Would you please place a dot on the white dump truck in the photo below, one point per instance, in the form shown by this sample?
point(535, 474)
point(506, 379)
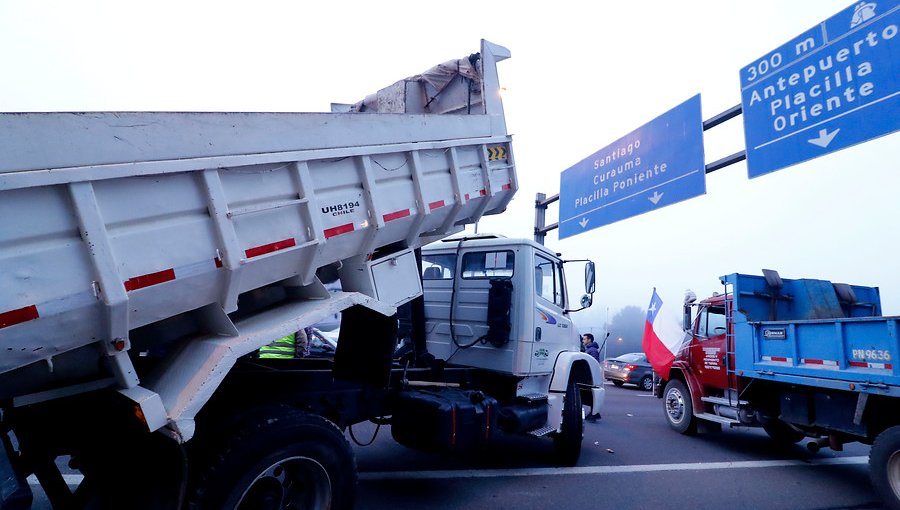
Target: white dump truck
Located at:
point(146, 257)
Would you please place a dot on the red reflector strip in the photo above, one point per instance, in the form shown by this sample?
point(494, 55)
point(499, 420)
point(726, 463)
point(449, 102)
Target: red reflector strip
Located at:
point(218, 262)
point(336, 231)
point(139, 282)
point(18, 316)
point(467, 196)
point(482, 192)
point(396, 215)
point(819, 362)
point(776, 358)
point(436, 205)
point(507, 186)
point(269, 248)
point(863, 364)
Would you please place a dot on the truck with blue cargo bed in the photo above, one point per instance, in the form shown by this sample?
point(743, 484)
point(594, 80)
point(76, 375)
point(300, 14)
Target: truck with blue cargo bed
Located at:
point(800, 358)
point(145, 257)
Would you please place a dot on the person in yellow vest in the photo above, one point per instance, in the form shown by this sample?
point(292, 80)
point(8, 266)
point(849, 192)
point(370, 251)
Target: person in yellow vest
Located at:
point(295, 345)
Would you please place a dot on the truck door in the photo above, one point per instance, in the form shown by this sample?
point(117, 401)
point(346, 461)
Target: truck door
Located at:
point(708, 347)
point(552, 328)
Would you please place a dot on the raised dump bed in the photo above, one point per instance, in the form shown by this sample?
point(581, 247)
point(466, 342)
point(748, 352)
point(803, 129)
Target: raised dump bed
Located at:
point(113, 221)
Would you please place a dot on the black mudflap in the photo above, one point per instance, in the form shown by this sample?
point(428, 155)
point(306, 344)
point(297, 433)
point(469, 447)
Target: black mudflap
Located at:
point(443, 419)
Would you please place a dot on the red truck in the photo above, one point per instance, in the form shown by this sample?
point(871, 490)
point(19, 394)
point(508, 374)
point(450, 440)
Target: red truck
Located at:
point(800, 358)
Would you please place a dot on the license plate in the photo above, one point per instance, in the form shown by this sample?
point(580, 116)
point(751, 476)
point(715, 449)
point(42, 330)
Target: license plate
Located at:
point(614, 367)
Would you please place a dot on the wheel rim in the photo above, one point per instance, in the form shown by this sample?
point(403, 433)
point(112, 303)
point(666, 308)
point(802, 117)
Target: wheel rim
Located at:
point(291, 483)
point(674, 405)
point(893, 473)
point(647, 383)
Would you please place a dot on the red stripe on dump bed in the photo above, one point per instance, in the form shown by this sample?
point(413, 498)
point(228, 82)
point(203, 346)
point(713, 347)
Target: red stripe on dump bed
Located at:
point(269, 248)
point(436, 205)
point(863, 364)
point(396, 215)
point(336, 231)
point(819, 362)
point(18, 316)
point(139, 282)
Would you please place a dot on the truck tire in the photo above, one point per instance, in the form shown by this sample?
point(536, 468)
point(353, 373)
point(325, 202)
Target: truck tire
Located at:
point(618, 383)
point(646, 383)
point(678, 408)
point(884, 466)
point(782, 433)
point(567, 442)
point(289, 459)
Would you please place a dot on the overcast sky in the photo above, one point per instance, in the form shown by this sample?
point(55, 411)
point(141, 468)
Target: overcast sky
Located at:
point(582, 75)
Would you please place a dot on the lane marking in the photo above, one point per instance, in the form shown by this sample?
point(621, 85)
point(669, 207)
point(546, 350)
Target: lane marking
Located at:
point(74, 479)
point(70, 479)
point(603, 470)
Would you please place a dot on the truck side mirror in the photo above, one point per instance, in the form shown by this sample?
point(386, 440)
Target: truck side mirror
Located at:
point(588, 279)
point(686, 321)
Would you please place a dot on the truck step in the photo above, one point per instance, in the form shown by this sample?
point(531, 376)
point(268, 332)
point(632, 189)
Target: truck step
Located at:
point(542, 432)
point(724, 401)
point(718, 419)
point(534, 398)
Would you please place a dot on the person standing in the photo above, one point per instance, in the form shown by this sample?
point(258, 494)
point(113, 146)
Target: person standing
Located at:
point(589, 346)
point(295, 345)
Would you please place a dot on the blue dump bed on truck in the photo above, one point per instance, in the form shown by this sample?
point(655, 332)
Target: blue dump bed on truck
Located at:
point(814, 333)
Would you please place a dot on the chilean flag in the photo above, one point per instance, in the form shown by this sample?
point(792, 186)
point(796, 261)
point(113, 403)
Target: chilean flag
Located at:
point(663, 336)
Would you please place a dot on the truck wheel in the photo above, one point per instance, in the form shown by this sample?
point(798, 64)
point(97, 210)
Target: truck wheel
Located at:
point(286, 460)
point(679, 408)
point(646, 383)
point(567, 441)
point(884, 466)
point(618, 383)
point(782, 433)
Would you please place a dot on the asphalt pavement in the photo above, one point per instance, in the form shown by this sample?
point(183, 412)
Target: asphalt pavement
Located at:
point(630, 459)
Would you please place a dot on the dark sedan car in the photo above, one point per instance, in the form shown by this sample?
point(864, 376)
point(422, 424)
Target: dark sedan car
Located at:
point(631, 368)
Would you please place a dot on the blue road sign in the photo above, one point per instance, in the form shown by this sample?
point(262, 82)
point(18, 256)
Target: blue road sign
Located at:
point(831, 87)
point(658, 164)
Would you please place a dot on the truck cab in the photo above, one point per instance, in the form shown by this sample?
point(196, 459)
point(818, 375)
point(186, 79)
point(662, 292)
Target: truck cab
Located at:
point(458, 276)
point(497, 313)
